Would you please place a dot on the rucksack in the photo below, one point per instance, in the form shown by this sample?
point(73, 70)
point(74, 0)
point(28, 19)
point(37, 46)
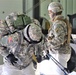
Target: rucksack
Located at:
point(69, 28)
point(22, 21)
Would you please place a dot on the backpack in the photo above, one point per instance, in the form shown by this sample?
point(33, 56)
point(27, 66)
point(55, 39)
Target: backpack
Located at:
point(69, 28)
point(22, 21)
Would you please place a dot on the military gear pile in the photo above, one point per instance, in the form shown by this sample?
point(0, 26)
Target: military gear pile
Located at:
point(19, 22)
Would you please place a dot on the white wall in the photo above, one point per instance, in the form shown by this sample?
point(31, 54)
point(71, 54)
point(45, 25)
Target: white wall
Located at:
point(29, 8)
point(43, 8)
point(8, 6)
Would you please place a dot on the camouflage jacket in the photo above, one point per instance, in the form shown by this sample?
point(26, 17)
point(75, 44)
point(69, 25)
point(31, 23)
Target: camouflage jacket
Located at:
point(57, 37)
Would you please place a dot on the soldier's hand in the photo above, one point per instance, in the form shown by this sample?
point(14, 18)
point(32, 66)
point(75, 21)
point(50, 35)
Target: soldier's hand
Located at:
point(12, 59)
point(39, 58)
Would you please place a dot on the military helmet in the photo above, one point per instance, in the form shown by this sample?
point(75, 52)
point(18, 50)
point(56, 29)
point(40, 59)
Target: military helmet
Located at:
point(55, 7)
point(32, 33)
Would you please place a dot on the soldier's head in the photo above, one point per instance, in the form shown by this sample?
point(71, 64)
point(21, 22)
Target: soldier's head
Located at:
point(55, 8)
point(33, 33)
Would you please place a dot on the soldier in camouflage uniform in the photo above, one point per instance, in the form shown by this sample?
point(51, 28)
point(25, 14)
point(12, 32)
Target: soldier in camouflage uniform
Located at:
point(57, 39)
point(18, 44)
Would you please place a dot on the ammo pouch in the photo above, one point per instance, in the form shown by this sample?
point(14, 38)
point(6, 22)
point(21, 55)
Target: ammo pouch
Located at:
point(21, 21)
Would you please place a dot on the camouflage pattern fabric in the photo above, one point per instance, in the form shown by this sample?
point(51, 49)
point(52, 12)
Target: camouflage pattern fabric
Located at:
point(57, 37)
point(9, 44)
point(24, 55)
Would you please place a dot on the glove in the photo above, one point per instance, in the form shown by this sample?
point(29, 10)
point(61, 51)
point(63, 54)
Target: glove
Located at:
point(11, 58)
point(45, 54)
point(39, 58)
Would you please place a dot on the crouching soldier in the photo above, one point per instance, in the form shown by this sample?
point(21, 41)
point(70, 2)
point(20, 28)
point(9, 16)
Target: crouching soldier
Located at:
point(19, 40)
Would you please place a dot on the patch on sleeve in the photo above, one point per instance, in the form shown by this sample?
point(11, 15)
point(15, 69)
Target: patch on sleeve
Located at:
point(10, 39)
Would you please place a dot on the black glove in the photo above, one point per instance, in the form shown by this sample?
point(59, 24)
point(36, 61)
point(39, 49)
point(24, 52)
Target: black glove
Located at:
point(39, 58)
point(11, 58)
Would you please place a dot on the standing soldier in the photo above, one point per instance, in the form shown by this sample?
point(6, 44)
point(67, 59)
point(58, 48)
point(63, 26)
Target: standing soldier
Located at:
point(59, 35)
point(19, 40)
point(58, 39)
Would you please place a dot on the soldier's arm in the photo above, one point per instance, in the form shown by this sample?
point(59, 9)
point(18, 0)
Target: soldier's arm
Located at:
point(4, 51)
point(2, 33)
point(3, 46)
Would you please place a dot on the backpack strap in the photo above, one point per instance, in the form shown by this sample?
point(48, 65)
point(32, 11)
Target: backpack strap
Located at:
point(69, 27)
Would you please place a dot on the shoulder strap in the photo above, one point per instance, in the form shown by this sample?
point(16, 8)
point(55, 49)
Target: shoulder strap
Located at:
point(69, 27)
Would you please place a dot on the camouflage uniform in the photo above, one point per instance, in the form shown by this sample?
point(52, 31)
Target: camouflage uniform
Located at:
point(57, 37)
point(22, 48)
point(57, 40)
point(58, 48)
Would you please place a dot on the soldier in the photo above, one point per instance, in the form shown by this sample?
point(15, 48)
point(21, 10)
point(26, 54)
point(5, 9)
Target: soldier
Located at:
point(58, 38)
point(59, 33)
point(18, 42)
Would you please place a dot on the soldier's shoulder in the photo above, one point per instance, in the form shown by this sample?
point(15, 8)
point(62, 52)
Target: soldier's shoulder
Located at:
point(58, 23)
